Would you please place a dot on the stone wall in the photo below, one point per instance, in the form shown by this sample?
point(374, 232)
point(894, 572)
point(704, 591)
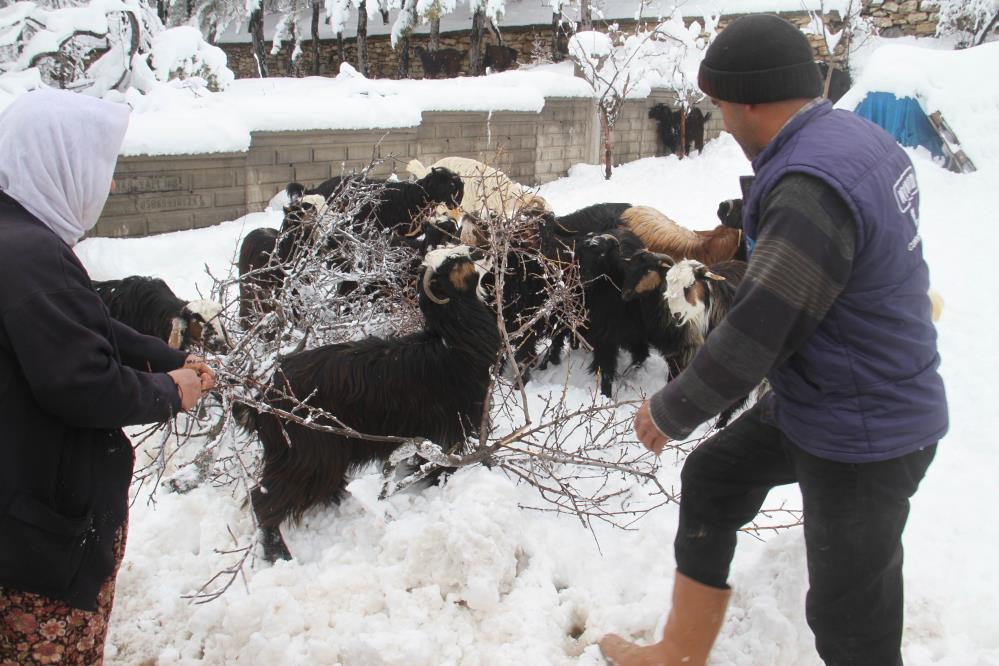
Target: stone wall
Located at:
point(383, 59)
point(894, 19)
point(155, 194)
point(891, 18)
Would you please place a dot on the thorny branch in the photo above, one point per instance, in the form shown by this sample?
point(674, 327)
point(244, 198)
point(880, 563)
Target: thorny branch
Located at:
point(580, 455)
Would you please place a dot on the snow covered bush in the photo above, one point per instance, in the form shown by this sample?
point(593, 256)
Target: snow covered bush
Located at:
point(102, 47)
point(182, 54)
point(973, 21)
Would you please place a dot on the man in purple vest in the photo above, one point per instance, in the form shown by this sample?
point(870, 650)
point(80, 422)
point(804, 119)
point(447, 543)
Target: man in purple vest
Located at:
point(834, 313)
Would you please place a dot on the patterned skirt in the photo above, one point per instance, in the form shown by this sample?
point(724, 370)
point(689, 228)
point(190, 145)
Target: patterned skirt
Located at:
point(41, 630)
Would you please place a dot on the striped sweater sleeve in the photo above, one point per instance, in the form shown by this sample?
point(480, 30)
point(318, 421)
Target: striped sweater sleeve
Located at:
point(801, 261)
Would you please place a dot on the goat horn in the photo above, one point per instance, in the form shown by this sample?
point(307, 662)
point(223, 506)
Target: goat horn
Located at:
point(662, 257)
point(713, 276)
point(429, 292)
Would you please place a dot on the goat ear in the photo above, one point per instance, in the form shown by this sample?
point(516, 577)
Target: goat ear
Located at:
point(178, 331)
point(712, 276)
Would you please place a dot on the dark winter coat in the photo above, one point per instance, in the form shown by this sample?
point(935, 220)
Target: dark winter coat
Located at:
point(865, 386)
point(70, 378)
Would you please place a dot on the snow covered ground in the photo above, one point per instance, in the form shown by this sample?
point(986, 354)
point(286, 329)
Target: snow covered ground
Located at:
point(461, 575)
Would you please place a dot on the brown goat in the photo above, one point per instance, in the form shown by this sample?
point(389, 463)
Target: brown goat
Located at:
point(661, 234)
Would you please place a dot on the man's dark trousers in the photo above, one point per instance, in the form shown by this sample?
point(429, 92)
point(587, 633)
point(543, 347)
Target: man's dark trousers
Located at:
point(854, 515)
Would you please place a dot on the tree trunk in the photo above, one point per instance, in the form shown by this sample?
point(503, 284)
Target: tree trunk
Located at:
point(362, 38)
point(983, 35)
point(403, 46)
point(294, 64)
point(435, 35)
point(259, 48)
point(341, 51)
point(605, 131)
point(213, 28)
point(683, 132)
point(556, 24)
point(475, 42)
point(585, 15)
point(315, 38)
point(161, 10)
point(403, 68)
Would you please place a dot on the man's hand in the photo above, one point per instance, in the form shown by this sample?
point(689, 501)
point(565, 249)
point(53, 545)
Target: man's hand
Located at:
point(205, 374)
point(188, 386)
point(647, 432)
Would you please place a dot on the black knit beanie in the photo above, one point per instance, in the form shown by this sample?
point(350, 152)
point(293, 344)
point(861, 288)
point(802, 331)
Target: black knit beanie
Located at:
point(757, 59)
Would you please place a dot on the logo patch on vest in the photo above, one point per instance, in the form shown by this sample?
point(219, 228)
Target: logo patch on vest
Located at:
point(906, 189)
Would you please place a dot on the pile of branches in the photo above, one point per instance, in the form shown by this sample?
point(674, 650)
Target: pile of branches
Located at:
point(580, 455)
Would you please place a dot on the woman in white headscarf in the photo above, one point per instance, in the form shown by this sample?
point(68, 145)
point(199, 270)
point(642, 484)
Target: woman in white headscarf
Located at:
point(70, 378)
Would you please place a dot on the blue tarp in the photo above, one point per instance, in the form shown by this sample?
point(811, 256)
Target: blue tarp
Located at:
point(903, 118)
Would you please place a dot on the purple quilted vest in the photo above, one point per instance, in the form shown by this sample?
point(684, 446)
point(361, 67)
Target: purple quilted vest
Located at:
point(865, 385)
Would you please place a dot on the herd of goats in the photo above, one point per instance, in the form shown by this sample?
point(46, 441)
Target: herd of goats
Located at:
point(644, 283)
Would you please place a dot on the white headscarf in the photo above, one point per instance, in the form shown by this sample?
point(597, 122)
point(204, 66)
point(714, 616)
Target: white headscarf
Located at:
point(58, 151)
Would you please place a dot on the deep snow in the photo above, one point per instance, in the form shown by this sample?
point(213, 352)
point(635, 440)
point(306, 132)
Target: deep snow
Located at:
point(462, 575)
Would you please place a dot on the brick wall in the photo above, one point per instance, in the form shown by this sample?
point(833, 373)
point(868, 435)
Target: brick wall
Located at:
point(155, 194)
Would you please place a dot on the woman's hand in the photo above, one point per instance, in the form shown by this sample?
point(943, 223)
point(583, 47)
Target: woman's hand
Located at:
point(205, 374)
point(188, 386)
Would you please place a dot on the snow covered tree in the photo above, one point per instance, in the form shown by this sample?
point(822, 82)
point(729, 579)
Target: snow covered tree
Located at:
point(287, 30)
point(105, 48)
point(618, 62)
point(854, 30)
point(401, 30)
point(484, 12)
point(680, 49)
point(561, 26)
point(974, 22)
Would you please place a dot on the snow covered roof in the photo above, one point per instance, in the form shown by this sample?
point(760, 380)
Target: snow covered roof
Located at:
point(168, 121)
point(962, 85)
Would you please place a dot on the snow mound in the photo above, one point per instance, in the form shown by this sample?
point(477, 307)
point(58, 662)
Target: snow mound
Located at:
point(959, 84)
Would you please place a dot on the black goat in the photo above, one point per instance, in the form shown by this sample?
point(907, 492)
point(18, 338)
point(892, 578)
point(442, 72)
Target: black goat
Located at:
point(499, 58)
point(429, 384)
point(442, 61)
point(559, 236)
point(669, 128)
point(730, 213)
point(645, 283)
point(265, 253)
point(561, 233)
point(403, 206)
point(838, 84)
point(149, 306)
point(611, 323)
point(694, 130)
